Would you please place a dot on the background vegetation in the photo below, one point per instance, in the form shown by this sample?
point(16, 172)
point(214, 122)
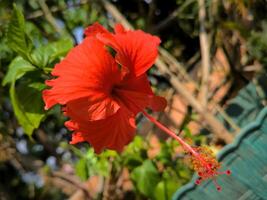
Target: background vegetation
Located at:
point(36, 161)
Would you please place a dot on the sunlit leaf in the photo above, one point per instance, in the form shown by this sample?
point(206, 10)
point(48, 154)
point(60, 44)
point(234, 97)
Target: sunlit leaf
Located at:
point(28, 105)
point(81, 169)
point(165, 153)
point(146, 178)
point(17, 68)
point(48, 53)
point(16, 36)
point(165, 189)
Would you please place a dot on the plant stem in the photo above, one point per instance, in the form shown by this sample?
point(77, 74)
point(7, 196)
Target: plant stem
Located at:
point(172, 134)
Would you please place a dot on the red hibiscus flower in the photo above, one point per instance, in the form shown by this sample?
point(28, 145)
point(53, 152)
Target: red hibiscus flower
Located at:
point(102, 94)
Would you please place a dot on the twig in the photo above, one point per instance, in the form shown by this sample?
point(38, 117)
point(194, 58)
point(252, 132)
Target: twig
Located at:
point(164, 23)
point(40, 13)
point(205, 54)
point(72, 181)
point(150, 14)
point(42, 138)
point(48, 15)
point(175, 66)
point(116, 14)
point(213, 123)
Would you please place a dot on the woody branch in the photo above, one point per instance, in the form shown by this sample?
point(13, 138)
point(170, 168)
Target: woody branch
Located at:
point(205, 54)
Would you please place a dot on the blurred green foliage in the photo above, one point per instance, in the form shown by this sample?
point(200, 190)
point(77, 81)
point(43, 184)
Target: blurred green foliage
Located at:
point(155, 177)
point(257, 44)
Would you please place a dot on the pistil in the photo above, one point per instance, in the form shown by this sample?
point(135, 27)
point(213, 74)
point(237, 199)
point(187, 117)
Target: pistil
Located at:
point(202, 159)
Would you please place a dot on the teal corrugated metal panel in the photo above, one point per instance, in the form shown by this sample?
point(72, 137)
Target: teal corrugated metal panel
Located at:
point(247, 104)
point(247, 159)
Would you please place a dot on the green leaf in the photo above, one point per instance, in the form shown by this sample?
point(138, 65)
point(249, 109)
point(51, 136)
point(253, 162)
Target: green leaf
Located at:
point(109, 153)
point(136, 145)
point(81, 169)
point(165, 154)
point(17, 68)
point(35, 33)
point(51, 52)
point(132, 160)
point(165, 189)
point(28, 105)
point(60, 48)
point(102, 167)
point(187, 132)
point(146, 178)
point(16, 36)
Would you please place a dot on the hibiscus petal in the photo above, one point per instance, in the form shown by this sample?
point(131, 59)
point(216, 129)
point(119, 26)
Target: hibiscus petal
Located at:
point(113, 133)
point(119, 29)
point(138, 84)
point(158, 103)
point(137, 101)
point(136, 50)
point(94, 29)
point(95, 107)
point(87, 71)
point(136, 93)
